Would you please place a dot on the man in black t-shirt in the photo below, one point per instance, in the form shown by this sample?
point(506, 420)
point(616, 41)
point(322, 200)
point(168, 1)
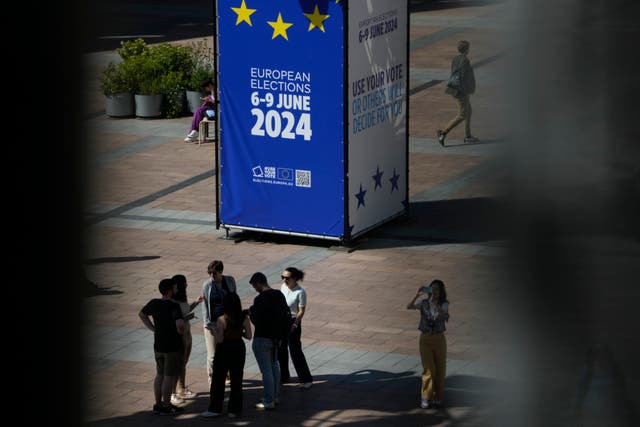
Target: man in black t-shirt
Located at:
point(167, 328)
point(270, 315)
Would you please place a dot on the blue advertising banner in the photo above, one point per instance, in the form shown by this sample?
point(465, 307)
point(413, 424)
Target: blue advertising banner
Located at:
point(281, 78)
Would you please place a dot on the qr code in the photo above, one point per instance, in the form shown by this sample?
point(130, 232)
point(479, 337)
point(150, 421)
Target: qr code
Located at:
point(303, 178)
point(269, 172)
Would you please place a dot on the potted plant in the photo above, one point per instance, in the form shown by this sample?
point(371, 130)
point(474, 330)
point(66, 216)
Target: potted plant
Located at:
point(149, 96)
point(173, 91)
point(117, 87)
point(194, 86)
point(175, 62)
point(202, 69)
point(119, 80)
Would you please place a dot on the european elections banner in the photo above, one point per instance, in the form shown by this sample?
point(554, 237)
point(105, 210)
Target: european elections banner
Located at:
point(281, 78)
point(377, 111)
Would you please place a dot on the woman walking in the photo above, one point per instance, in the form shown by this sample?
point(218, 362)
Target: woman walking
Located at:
point(434, 313)
point(296, 298)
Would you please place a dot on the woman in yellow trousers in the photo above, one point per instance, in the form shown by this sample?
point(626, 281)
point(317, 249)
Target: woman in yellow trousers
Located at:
point(434, 313)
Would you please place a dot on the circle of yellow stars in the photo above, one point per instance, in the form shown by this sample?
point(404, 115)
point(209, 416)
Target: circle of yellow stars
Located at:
point(280, 27)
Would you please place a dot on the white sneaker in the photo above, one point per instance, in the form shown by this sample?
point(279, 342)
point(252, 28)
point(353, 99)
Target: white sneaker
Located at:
point(262, 405)
point(209, 414)
point(424, 403)
point(187, 394)
point(192, 136)
point(176, 400)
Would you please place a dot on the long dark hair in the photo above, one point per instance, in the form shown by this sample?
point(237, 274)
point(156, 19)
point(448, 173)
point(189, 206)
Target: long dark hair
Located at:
point(443, 292)
point(181, 292)
point(233, 309)
point(298, 275)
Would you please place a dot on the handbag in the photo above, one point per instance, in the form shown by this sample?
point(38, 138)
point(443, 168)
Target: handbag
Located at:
point(454, 85)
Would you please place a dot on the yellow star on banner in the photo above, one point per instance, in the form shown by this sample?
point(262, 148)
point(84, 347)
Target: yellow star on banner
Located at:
point(315, 19)
point(243, 14)
point(279, 27)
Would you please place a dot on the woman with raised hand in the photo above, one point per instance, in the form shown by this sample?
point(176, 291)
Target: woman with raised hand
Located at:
point(434, 313)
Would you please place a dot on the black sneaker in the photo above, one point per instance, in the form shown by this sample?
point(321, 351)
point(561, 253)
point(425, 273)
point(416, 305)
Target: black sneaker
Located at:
point(167, 409)
point(441, 136)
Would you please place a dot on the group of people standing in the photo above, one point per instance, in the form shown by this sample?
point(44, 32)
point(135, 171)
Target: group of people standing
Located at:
point(273, 323)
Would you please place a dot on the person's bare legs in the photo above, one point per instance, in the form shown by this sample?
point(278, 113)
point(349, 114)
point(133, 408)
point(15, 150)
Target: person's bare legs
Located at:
point(167, 387)
point(157, 387)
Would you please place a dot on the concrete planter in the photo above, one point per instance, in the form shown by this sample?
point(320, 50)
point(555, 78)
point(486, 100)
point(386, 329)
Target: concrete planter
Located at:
point(194, 100)
point(148, 105)
point(119, 105)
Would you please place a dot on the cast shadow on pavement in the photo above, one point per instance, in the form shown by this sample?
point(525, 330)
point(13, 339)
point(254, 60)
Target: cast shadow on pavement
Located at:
point(92, 289)
point(460, 143)
point(478, 219)
point(362, 398)
point(427, 5)
point(103, 260)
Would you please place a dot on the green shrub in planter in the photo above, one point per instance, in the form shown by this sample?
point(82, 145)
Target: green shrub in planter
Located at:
point(131, 48)
point(115, 79)
point(202, 65)
point(199, 75)
point(151, 85)
point(146, 73)
point(173, 101)
point(172, 58)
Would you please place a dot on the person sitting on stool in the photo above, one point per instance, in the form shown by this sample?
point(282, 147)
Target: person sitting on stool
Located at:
point(208, 103)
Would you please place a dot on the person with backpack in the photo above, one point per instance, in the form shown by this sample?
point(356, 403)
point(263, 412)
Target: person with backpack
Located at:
point(461, 85)
point(296, 297)
point(214, 290)
point(270, 316)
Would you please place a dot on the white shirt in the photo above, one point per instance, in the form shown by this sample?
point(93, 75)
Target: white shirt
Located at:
point(296, 297)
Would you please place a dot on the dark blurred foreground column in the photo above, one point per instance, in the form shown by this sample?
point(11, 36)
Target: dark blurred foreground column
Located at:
point(51, 365)
point(574, 298)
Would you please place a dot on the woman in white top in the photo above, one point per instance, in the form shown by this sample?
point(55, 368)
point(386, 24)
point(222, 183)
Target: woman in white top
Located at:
point(296, 298)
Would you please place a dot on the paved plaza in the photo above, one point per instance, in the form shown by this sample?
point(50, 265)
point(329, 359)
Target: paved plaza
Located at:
point(150, 210)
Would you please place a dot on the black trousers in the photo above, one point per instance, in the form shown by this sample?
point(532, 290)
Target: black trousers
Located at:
point(229, 357)
point(294, 346)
